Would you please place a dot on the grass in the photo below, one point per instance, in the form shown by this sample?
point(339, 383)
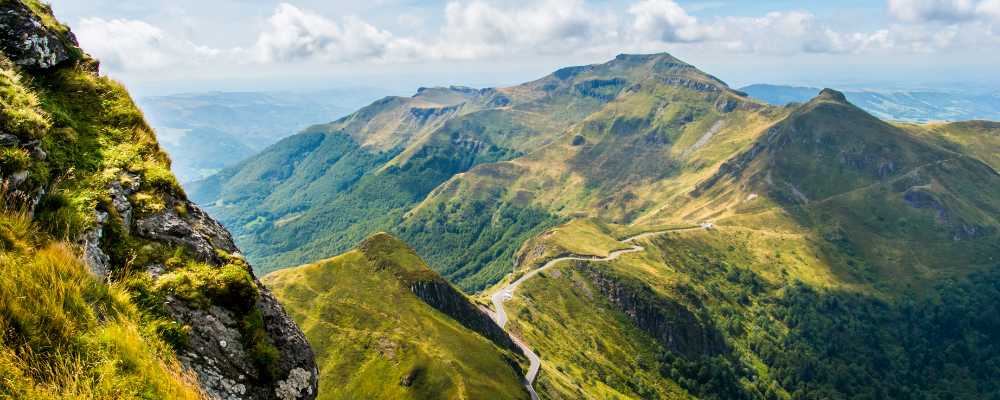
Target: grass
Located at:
point(373, 337)
point(66, 335)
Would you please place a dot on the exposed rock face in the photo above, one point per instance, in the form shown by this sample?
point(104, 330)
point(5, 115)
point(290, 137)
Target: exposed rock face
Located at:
point(919, 199)
point(197, 232)
point(215, 352)
point(26, 41)
point(666, 320)
point(223, 367)
point(444, 297)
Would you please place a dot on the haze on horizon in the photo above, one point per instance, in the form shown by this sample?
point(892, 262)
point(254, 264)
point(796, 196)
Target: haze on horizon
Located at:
point(161, 47)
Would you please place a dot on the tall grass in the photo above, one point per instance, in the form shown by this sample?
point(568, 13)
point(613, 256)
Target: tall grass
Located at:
point(66, 335)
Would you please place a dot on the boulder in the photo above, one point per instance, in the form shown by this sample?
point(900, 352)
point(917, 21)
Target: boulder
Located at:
point(27, 41)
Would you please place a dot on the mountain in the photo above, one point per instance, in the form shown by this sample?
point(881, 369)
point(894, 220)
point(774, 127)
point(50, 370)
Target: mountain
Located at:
point(846, 253)
point(326, 188)
point(914, 106)
point(848, 256)
point(115, 285)
point(384, 325)
point(205, 132)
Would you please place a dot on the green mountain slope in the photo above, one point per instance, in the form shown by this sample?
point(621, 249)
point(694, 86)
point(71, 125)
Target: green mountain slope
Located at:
point(781, 324)
point(851, 258)
point(384, 325)
point(325, 189)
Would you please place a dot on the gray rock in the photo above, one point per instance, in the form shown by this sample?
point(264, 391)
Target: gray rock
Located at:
point(8, 140)
point(95, 257)
point(16, 179)
point(296, 353)
point(169, 228)
point(119, 197)
point(215, 352)
point(26, 41)
point(37, 153)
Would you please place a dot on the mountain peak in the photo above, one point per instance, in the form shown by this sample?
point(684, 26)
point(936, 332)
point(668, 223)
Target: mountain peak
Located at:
point(830, 94)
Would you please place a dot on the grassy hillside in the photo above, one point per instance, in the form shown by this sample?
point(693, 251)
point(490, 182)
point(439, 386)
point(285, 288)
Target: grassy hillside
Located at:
point(624, 163)
point(375, 338)
point(67, 133)
point(789, 323)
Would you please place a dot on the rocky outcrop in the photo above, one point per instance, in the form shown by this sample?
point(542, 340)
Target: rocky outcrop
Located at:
point(215, 353)
point(27, 41)
point(666, 320)
point(196, 232)
point(920, 199)
point(690, 84)
point(445, 298)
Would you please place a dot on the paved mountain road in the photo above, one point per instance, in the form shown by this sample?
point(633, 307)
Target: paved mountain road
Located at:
point(504, 294)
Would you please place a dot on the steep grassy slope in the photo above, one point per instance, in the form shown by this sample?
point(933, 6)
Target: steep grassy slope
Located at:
point(110, 274)
point(375, 337)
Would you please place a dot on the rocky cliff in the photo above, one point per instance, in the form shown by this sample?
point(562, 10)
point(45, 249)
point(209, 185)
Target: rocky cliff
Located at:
point(434, 290)
point(668, 321)
point(76, 153)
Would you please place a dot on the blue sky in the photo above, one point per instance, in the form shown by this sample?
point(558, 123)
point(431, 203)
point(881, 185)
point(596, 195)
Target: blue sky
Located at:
point(186, 45)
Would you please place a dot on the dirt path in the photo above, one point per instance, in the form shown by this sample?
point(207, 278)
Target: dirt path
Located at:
point(505, 294)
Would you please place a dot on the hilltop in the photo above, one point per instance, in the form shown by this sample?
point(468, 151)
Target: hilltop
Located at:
point(383, 324)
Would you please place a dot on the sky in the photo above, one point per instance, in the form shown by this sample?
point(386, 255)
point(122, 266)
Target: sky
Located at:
point(173, 46)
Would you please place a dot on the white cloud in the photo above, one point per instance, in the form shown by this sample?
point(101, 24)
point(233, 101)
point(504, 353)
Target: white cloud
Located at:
point(931, 10)
point(135, 45)
point(480, 29)
point(296, 35)
point(491, 29)
point(410, 20)
point(666, 21)
point(784, 33)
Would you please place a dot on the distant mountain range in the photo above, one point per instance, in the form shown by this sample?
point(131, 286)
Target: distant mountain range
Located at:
point(915, 106)
point(205, 132)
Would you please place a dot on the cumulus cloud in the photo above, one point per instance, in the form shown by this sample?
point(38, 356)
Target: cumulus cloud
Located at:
point(921, 26)
point(793, 32)
point(666, 21)
point(135, 45)
point(296, 35)
point(478, 29)
point(931, 10)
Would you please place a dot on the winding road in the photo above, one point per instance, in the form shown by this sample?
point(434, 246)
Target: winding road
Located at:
point(505, 294)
